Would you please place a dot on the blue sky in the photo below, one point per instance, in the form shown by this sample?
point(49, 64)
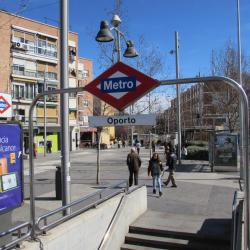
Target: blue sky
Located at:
point(203, 25)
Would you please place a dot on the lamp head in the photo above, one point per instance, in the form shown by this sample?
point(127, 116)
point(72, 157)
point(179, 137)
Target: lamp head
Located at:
point(130, 51)
point(104, 34)
point(116, 21)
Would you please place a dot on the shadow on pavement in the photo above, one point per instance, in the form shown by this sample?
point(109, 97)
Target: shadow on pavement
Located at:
point(214, 232)
point(193, 168)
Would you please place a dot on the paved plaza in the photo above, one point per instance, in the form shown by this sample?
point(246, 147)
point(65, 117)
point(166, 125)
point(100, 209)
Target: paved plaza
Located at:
point(199, 192)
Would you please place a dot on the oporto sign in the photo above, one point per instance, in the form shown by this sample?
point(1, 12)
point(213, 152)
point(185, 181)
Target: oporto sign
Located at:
point(121, 84)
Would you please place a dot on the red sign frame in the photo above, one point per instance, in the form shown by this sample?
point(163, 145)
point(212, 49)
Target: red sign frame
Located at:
point(146, 84)
point(7, 105)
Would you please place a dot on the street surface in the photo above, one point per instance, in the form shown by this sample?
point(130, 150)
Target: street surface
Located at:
point(199, 191)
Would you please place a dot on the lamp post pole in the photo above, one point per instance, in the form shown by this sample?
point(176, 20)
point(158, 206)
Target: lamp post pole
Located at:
point(240, 82)
point(45, 117)
point(64, 107)
point(178, 96)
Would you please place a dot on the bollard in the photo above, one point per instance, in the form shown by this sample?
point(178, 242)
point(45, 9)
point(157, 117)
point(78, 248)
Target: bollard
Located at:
point(58, 183)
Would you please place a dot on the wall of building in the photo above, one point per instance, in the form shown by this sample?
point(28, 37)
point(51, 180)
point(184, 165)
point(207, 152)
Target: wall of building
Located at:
point(27, 71)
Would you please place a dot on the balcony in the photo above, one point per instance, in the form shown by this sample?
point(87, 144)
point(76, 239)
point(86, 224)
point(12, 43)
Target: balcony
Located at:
point(49, 76)
point(26, 72)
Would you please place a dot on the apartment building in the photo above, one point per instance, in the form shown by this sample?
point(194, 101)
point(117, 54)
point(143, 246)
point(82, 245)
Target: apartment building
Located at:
point(29, 65)
point(85, 104)
point(201, 110)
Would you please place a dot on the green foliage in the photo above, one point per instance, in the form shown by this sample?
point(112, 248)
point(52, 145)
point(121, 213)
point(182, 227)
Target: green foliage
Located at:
point(197, 153)
point(198, 143)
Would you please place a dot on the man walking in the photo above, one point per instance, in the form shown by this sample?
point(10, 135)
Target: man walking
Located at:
point(171, 162)
point(134, 163)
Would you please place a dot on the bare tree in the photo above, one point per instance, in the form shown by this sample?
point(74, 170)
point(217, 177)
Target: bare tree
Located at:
point(225, 98)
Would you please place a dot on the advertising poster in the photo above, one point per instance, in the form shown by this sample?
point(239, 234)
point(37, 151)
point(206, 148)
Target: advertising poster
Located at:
point(11, 181)
point(225, 150)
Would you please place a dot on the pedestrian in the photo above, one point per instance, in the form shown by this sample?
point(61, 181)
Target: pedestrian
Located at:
point(168, 149)
point(48, 147)
point(134, 163)
point(138, 146)
point(34, 150)
point(153, 146)
point(184, 152)
point(155, 167)
point(171, 163)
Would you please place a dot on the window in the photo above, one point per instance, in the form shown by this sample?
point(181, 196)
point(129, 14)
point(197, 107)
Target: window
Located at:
point(23, 91)
point(18, 69)
point(72, 95)
point(51, 75)
point(86, 73)
point(85, 103)
point(29, 91)
point(18, 91)
point(80, 74)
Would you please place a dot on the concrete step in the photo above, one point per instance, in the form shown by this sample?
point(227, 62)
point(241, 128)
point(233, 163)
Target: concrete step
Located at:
point(179, 235)
point(188, 226)
point(136, 247)
point(170, 243)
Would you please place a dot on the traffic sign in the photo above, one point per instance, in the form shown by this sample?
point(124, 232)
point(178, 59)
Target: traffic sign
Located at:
point(5, 105)
point(121, 85)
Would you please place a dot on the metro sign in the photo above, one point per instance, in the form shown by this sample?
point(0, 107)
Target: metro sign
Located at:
point(121, 85)
point(4, 104)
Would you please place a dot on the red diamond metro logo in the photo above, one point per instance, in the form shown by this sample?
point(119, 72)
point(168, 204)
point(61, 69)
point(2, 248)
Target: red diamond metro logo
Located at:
point(4, 105)
point(121, 85)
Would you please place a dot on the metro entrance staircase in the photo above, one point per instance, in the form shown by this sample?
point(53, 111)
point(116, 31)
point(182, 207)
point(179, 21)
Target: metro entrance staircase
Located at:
point(158, 230)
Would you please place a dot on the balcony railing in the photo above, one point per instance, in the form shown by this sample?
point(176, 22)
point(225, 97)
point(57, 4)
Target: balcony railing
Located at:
point(29, 73)
point(28, 48)
point(35, 74)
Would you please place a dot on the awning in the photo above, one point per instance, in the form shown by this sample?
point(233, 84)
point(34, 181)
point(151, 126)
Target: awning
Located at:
point(24, 80)
point(87, 129)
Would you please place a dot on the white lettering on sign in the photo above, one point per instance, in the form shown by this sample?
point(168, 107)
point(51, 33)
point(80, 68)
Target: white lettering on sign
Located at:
point(122, 84)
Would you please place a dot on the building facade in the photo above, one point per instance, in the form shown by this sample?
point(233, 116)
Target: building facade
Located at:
point(204, 107)
point(85, 104)
point(30, 64)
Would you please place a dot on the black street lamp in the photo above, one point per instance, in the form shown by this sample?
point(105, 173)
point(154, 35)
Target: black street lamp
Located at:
point(105, 35)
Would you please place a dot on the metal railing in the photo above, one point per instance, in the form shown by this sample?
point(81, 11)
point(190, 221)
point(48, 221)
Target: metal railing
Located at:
point(49, 225)
point(20, 235)
point(244, 137)
point(107, 233)
point(237, 214)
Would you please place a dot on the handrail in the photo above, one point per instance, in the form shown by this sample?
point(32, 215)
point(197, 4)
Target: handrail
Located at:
point(105, 237)
point(44, 217)
point(19, 238)
point(235, 218)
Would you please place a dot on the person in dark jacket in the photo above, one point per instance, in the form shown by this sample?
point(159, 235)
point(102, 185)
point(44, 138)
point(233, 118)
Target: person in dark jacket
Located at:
point(155, 167)
point(134, 163)
point(171, 162)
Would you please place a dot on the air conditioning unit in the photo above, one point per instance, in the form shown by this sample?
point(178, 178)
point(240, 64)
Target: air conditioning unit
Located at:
point(21, 46)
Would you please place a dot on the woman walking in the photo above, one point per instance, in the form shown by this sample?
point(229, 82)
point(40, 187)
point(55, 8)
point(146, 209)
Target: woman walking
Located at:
point(155, 167)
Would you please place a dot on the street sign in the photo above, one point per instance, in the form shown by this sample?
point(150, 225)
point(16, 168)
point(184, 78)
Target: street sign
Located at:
point(5, 105)
point(125, 120)
point(121, 85)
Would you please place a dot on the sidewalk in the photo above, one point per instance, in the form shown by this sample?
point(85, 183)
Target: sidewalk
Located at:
point(199, 191)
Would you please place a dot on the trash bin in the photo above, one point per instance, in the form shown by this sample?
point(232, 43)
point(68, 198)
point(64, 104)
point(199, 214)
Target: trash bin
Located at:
point(58, 183)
